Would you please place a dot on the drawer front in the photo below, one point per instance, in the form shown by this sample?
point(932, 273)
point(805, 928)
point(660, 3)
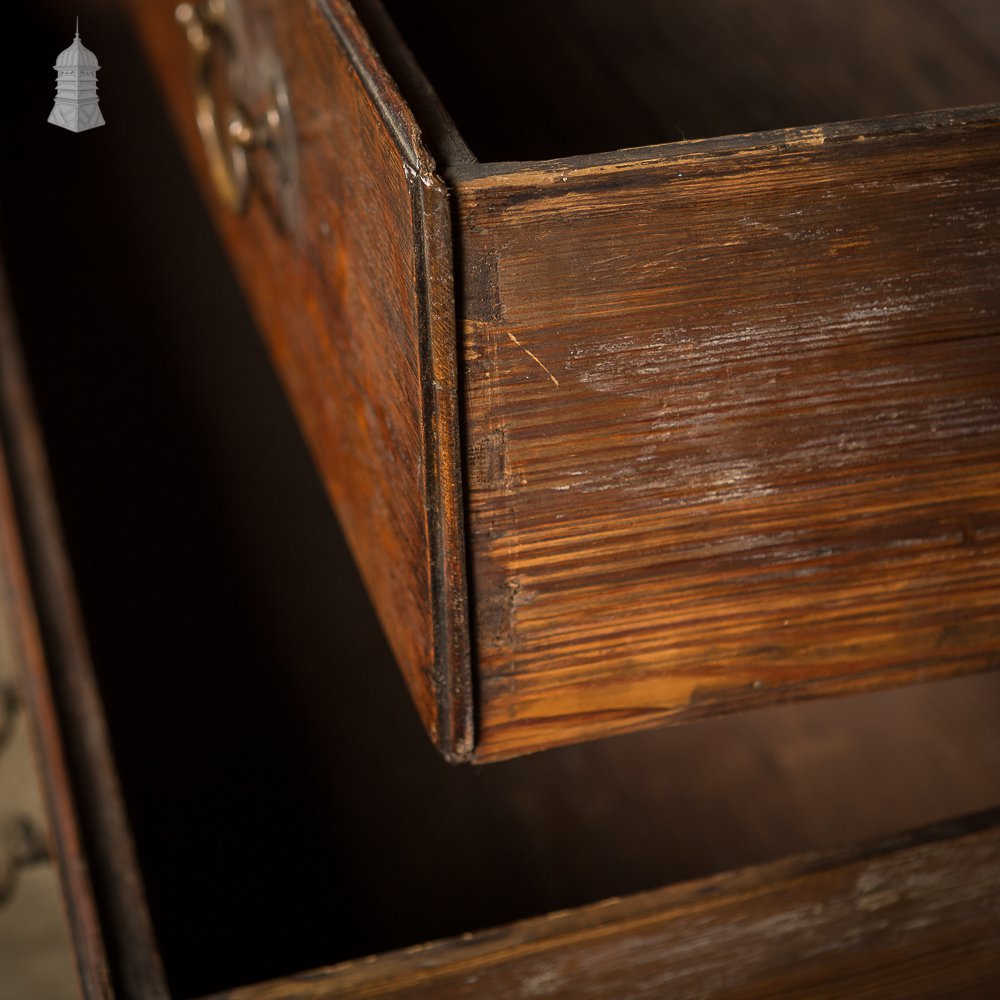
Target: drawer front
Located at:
point(344, 252)
point(734, 422)
point(917, 917)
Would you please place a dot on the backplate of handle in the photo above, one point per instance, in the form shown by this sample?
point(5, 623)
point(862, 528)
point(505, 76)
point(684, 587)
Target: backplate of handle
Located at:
point(229, 132)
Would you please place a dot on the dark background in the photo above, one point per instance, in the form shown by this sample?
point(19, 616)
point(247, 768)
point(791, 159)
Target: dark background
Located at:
point(287, 807)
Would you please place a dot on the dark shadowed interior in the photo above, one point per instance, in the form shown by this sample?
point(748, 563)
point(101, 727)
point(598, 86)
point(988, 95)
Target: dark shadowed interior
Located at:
point(528, 80)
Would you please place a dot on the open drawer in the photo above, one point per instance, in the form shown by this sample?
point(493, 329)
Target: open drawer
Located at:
point(251, 730)
point(622, 436)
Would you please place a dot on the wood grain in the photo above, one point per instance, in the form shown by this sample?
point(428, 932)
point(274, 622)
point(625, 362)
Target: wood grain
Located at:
point(351, 287)
point(733, 419)
point(106, 909)
point(914, 917)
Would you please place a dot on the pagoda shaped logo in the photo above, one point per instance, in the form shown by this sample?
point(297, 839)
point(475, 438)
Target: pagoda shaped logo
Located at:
point(76, 106)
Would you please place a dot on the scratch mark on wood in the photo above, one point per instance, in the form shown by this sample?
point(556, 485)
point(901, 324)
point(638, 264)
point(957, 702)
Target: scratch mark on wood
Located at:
point(534, 357)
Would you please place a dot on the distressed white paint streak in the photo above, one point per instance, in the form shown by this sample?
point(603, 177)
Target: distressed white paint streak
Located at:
point(543, 983)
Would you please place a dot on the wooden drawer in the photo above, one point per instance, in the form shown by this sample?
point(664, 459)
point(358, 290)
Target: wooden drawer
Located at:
point(221, 690)
point(716, 425)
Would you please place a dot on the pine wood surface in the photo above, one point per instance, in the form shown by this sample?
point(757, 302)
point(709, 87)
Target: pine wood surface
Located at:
point(733, 422)
point(352, 292)
point(915, 917)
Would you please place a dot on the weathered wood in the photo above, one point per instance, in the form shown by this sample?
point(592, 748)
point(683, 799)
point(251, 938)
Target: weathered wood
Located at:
point(733, 422)
point(94, 852)
point(353, 296)
point(914, 917)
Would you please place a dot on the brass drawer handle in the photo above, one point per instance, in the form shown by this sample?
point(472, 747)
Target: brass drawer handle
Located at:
point(227, 134)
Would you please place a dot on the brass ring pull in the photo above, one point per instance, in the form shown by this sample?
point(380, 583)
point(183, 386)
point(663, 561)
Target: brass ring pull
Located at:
point(226, 143)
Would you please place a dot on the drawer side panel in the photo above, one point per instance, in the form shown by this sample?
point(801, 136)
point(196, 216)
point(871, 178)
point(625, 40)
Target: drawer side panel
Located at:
point(343, 273)
point(734, 423)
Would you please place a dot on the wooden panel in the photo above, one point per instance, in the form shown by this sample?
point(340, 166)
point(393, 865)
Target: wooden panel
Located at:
point(19, 622)
point(733, 421)
point(353, 296)
point(916, 917)
point(94, 852)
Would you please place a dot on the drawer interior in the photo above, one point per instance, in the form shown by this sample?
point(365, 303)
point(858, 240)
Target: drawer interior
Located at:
point(526, 80)
point(287, 806)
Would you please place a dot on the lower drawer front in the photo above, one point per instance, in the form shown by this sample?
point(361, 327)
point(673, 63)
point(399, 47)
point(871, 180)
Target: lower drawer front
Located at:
point(828, 926)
